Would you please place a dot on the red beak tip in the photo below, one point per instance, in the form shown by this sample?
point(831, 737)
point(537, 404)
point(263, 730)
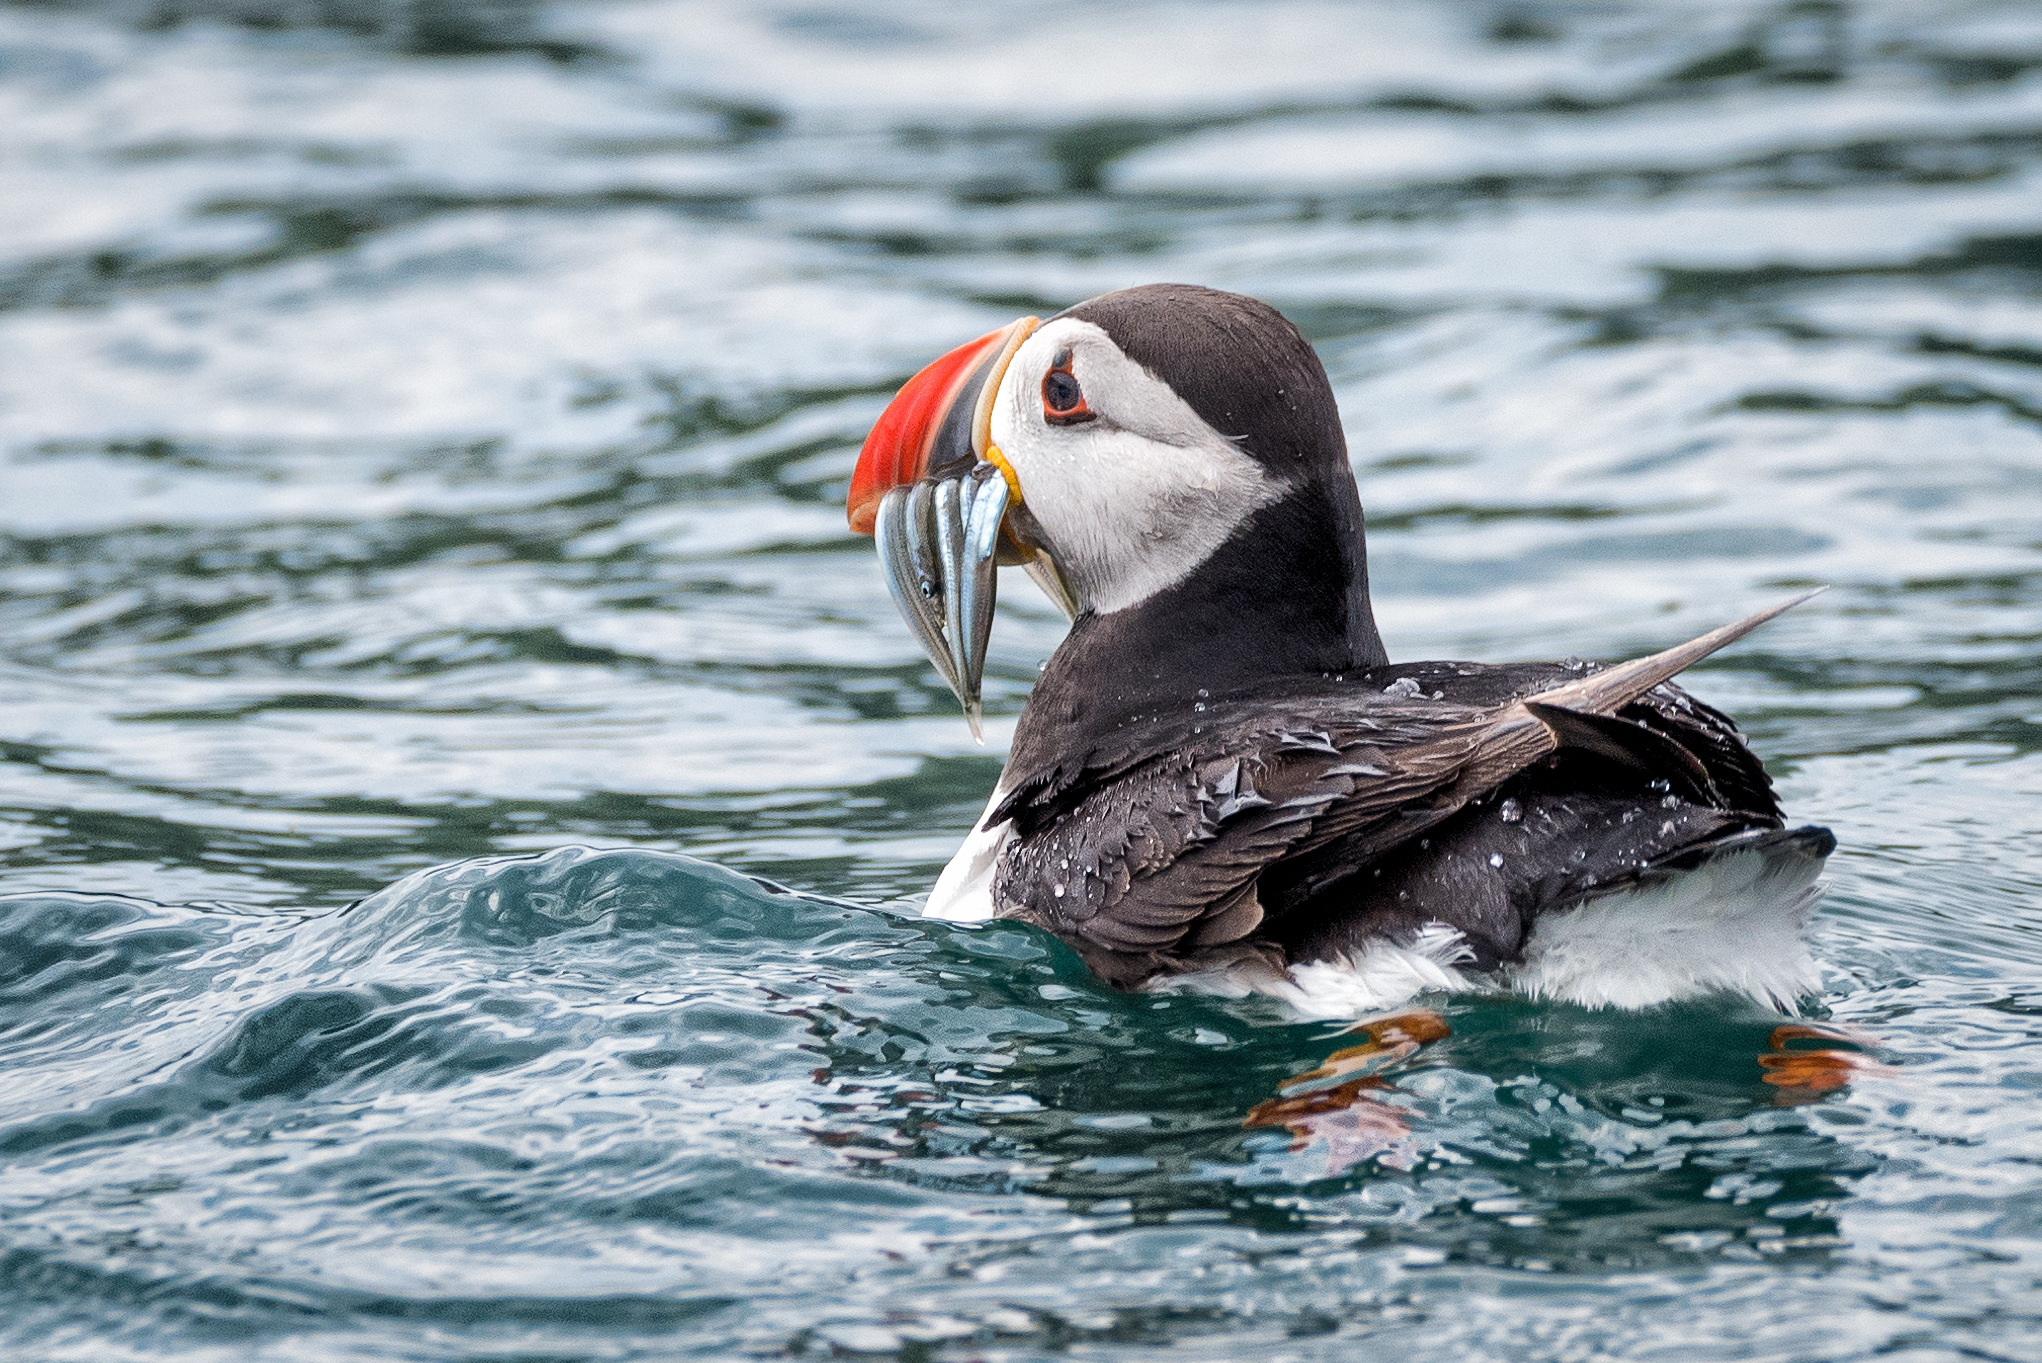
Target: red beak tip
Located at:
point(897, 450)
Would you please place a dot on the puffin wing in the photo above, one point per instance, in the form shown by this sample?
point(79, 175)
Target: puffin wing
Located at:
point(1713, 739)
point(1163, 857)
point(1149, 850)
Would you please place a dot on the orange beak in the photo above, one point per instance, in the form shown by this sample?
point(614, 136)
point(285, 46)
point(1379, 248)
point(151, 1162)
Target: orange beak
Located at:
point(941, 417)
point(934, 491)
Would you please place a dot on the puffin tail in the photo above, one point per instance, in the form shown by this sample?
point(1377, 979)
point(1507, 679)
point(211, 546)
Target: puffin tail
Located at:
point(1721, 917)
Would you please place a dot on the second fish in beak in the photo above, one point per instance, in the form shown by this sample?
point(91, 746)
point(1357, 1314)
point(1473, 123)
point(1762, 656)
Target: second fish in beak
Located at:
point(938, 539)
point(936, 493)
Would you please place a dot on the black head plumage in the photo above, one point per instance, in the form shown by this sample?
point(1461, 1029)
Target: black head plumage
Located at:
point(1287, 595)
point(1239, 363)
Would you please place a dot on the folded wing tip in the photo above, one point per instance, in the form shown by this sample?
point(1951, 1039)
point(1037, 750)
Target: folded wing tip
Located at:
point(1615, 687)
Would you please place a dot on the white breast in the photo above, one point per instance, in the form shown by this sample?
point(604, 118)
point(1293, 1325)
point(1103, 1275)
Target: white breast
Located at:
point(964, 892)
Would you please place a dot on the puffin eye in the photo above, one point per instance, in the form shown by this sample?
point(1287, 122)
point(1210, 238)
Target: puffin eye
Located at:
point(1063, 400)
point(1060, 392)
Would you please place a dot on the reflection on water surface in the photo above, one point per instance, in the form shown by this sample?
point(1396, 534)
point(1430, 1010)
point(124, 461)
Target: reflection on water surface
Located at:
point(424, 429)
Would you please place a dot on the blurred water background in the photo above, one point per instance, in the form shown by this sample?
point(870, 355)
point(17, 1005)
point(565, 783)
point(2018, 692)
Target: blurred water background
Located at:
point(423, 427)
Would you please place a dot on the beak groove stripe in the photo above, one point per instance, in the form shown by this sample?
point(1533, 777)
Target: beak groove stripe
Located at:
point(989, 393)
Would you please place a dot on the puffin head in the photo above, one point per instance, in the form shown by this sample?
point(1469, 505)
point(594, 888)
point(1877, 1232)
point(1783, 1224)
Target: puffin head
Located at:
point(1144, 453)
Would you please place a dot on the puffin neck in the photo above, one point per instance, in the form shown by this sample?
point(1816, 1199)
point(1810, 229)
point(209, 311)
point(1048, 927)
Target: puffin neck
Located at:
point(1286, 595)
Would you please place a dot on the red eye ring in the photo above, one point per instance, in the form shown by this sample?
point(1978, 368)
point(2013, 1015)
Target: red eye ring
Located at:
point(1063, 401)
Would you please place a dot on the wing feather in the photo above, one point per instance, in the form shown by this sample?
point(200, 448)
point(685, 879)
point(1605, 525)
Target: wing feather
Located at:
point(1157, 851)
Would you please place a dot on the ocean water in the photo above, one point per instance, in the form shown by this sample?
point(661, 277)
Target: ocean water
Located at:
point(465, 798)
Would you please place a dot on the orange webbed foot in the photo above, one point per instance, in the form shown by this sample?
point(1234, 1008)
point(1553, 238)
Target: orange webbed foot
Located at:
point(1805, 1074)
point(1335, 1101)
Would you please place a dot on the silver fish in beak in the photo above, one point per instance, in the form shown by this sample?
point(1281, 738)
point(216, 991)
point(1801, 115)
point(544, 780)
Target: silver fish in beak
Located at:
point(939, 540)
point(935, 493)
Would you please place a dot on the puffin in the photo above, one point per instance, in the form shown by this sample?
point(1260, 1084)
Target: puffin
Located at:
point(1220, 781)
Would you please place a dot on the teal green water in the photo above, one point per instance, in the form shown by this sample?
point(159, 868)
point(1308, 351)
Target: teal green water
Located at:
point(464, 798)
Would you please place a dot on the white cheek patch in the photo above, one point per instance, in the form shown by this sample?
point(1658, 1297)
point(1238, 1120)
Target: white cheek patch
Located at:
point(1131, 502)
